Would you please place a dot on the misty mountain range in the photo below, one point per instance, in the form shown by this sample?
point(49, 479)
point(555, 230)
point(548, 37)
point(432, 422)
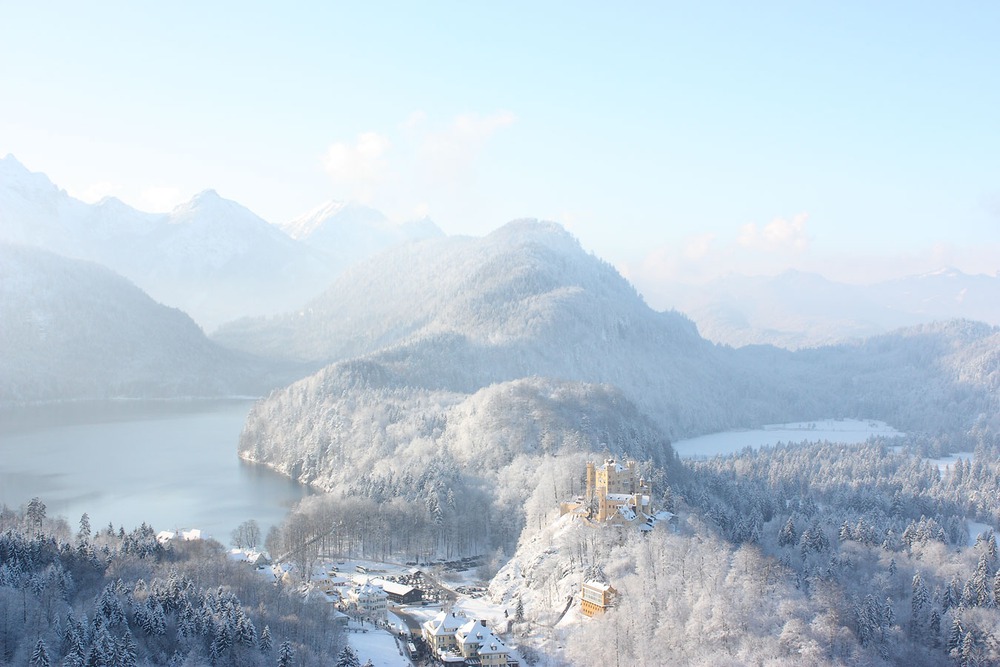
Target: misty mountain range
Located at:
point(432, 318)
point(210, 257)
point(796, 309)
point(435, 367)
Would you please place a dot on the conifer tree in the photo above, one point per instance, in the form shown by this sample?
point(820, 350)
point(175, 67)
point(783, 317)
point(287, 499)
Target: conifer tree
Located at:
point(40, 656)
point(918, 601)
point(934, 629)
point(285, 654)
point(83, 535)
point(264, 644)
point(128, 651)
point(348, 658)
point(956, 634)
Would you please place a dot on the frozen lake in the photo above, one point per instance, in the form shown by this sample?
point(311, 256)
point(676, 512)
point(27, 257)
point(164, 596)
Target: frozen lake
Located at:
point(172, 465)
point(849, 431)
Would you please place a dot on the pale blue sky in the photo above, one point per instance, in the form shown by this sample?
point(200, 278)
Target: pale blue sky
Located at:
point(677, 140)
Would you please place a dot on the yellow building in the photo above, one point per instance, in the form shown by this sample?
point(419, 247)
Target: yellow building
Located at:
point(617, 493)
point(596, 597)
point(439, 632)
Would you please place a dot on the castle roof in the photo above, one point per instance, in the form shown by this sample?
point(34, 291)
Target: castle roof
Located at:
point(612, 464)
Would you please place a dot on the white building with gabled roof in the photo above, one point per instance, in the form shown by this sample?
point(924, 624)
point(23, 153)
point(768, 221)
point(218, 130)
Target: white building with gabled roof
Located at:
point(479, 646)
point(439, 632)
point(370, 600)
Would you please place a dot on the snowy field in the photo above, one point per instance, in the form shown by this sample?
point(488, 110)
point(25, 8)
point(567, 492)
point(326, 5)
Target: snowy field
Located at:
point(849, 431)
point(976, 529)
point(378, 646)
point(945, 463)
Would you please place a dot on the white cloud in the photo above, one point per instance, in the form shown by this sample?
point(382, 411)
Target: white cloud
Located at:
point(416, 119)
point(359, 167)
point(777, 235)
point(419, 165)
point(452, 152)
point(698, 247)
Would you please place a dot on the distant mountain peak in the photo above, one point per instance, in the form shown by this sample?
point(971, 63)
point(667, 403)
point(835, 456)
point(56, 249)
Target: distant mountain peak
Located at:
point(334, 213)
point(208, 195)
point(113, 203)
point(944, 272)
point(208, 204)
point(15, 176)
point(533, 230)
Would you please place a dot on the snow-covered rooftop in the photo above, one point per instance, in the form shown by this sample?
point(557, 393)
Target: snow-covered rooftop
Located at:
point(476, 632)
point(395, 589)
point(369, 590)
point(598, 585)
point(611, 464)
point(446, 623)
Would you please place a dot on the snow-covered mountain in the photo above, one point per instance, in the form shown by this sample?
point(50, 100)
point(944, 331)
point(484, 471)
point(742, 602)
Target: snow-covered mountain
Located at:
point(348, 232)
point(432, 328)
point(71, 329)
point(796, 309)
point(211, 257)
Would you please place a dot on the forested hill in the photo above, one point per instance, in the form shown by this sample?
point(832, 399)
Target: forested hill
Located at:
point(435, 324)
point(75, 330)
point(526, 281)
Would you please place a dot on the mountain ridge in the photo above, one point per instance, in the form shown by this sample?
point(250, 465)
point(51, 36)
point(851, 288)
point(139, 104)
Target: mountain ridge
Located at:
point(72, 329)
point(526, 302)
point(209, 256)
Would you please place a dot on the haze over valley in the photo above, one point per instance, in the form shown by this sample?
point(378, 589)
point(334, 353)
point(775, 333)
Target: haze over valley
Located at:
point(449, 375)
point(507, 336)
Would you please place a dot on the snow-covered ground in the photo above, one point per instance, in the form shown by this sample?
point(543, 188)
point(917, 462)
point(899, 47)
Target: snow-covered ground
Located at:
point(976, 529)
point(849, 431)
point(382, 648)
point(946, 463)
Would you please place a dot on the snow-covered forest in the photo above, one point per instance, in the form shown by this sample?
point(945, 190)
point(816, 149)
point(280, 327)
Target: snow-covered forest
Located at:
point(107, 596)
point(866, 555)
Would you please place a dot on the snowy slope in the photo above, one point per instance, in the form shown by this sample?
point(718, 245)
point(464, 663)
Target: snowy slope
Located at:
point(211, 257)
point(71, 329)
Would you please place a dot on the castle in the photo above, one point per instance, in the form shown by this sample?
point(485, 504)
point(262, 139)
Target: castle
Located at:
point(616, 494)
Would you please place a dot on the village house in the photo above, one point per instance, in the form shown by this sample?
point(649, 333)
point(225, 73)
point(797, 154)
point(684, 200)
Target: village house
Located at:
point(401, 593)
point(370, 601)
point(479, 646)
point(455, 639)
point(439, 632)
